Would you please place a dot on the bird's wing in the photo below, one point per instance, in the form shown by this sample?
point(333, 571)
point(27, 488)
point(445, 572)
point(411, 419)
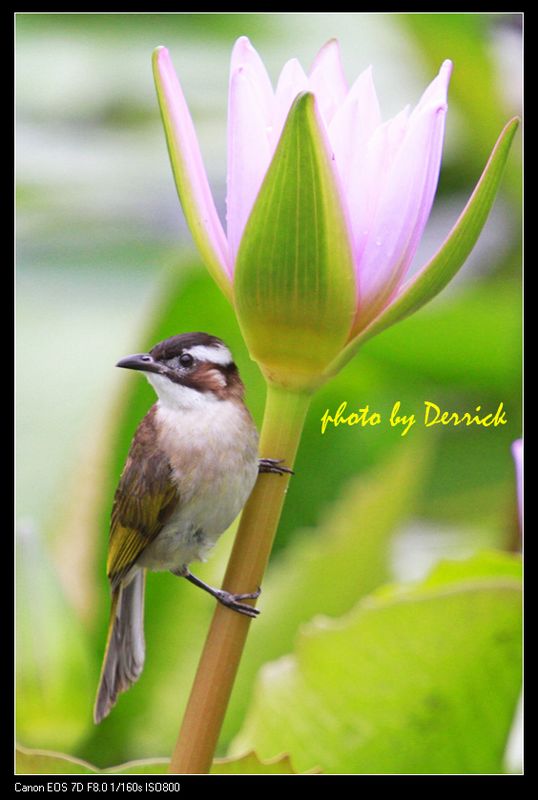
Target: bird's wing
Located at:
point(143, 503)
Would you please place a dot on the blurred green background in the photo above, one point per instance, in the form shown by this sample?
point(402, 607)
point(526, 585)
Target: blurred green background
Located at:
point(106, 266)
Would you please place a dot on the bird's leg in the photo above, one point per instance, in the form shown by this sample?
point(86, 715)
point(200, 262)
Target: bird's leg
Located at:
point(272, 465)
point(227, 599)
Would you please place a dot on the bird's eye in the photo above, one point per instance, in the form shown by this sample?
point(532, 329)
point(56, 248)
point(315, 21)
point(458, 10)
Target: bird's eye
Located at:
point(186, 360)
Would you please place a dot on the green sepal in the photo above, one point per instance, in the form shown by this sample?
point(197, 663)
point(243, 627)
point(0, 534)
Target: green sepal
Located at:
point(449, 258)
point(294, 279)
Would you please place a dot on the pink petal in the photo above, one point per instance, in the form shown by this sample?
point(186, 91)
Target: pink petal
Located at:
point(355, 120)
point(437, 90)
point(327, 80)
point(403, 210)
point(292, 81)
point(366, 174)
point(246, 58)
point(405, 202)
point(350, 130)
point(250, 125)
point(191, 178)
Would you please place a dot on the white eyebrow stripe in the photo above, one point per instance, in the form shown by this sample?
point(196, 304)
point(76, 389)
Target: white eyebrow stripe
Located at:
point(216, 354)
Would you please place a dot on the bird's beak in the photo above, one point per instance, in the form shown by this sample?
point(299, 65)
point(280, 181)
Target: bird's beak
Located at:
point(141, 361)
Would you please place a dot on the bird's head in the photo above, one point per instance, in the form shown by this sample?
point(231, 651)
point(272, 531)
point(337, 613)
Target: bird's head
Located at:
point(189, 370)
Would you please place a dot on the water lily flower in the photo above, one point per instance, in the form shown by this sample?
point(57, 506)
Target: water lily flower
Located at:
point(325, 207)
point(387, 172)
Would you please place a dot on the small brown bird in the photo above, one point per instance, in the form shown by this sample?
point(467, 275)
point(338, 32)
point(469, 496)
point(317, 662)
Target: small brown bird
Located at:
point(191, 466)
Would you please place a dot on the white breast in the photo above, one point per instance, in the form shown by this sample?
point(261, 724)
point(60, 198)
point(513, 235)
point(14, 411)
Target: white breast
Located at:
point(213, 450)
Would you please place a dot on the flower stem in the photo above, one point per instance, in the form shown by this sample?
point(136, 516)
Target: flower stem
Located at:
point(283, 422)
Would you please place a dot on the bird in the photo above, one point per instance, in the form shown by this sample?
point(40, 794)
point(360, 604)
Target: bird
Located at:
point(191, 467)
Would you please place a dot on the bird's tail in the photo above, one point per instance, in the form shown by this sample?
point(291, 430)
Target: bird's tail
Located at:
point(125, 646)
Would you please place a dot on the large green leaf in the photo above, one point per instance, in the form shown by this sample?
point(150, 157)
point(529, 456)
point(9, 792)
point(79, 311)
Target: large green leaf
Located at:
point(294, 282)
point(415, 680)
point(451, 255)
point(42, 762)
point(250, 764)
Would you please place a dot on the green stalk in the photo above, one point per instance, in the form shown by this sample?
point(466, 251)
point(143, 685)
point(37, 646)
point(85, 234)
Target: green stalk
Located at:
point(283, 422)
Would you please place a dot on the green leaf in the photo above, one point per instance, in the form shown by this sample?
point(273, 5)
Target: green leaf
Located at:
point(294, 278)
point(481, 565)
point(43, 762)
point(417, 680)
point(327, 569)
point(449, 258)
point(250, 764)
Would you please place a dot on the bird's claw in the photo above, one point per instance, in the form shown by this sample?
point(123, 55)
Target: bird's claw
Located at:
point(273, 466)
point(233, 602)
point(247, 596)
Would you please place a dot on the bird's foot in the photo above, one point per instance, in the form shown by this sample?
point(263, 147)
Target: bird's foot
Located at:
point(273, 466)
point(231, 601)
